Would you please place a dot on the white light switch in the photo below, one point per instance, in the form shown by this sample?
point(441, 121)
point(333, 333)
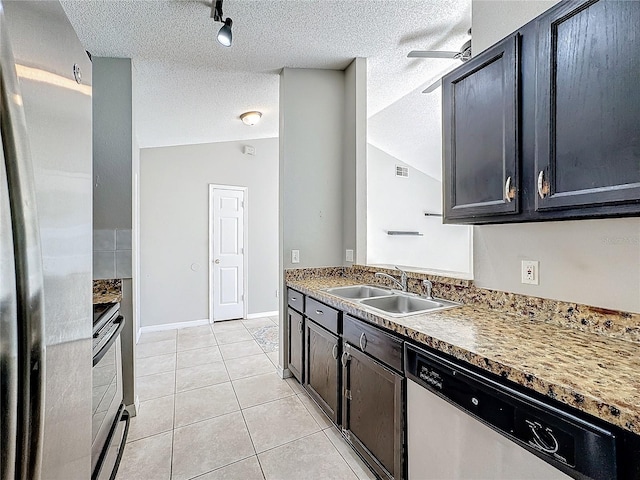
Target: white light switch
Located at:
point(295, 256)
point(530, 272)
point(349, 255)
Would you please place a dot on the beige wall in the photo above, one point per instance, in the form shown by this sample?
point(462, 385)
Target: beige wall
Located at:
point(595, 262)
point(312, 117)
point(174, 226)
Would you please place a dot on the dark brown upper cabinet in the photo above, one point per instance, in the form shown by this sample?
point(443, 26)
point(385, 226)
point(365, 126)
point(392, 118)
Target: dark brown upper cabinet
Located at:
point(587, 149)
point(481, 147)
point(566, 130)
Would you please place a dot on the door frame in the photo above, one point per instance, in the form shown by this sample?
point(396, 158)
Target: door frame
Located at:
point(245, 240)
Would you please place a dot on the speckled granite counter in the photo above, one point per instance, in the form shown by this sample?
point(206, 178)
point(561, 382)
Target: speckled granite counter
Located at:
point(107, 291)
point(596, 374)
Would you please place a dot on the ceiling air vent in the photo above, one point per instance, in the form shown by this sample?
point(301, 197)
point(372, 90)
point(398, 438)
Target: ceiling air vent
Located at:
point(402, 171)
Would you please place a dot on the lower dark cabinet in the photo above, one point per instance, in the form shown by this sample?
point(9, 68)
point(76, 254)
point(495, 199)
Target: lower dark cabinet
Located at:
point(296, 344)
point(372, 416)
point(322, 375)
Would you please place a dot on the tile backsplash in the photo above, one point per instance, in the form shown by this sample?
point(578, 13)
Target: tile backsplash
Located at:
point(112, 253)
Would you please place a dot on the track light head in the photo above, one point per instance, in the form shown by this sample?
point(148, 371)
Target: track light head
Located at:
point(225, 35)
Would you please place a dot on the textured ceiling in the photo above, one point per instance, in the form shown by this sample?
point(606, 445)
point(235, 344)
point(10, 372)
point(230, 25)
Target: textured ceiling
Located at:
point(190, 89)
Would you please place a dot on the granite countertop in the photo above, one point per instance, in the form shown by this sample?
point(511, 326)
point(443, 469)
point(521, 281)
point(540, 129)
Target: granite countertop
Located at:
point(107, 291)
point(594, 373)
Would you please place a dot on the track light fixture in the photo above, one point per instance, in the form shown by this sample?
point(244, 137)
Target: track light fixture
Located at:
point(224, 35)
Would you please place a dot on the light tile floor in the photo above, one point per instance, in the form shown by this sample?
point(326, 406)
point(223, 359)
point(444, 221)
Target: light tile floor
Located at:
point(213, 407)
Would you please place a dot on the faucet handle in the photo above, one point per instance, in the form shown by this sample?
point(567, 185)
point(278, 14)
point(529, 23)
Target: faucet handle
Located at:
point(427, 286)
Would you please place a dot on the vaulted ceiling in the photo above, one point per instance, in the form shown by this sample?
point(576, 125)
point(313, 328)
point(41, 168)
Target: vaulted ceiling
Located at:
point(190, 89)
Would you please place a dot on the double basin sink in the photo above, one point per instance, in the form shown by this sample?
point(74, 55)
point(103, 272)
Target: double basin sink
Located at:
point(391, 302)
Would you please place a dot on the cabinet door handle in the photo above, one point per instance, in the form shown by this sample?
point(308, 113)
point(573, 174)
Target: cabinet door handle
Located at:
point(300, 325)
point(363, 341)
point(319, 312)
point(542, 190)
point(335, 351)
point(344, 359)
point(509, 193)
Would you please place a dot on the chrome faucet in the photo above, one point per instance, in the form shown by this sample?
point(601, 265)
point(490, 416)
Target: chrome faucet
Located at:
point(427, 286)
point(402, 284)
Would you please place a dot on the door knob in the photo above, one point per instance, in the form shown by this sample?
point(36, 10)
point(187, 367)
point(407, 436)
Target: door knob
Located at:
point(217, 260)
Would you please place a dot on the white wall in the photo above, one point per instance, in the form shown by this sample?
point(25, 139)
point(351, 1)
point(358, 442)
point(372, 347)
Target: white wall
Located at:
point(595, 262)
point(174, 226)
point(492, 20)
point(396, 203)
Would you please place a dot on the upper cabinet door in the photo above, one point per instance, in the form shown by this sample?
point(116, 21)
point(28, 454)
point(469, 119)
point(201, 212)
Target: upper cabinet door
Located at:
point(481, 134)
point(587, 146)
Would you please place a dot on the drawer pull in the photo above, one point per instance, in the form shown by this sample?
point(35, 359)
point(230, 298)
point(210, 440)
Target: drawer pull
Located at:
point(319, 312)
point(543, 187)
point(335, 351)
point(344, 359)
point(293, 299)
point(509, 192)
point(363, 341)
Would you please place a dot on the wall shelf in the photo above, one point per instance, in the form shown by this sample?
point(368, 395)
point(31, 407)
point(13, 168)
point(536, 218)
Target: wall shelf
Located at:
point(404, 233)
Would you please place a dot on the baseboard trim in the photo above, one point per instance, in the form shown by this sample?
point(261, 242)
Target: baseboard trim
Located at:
point(284, 372)
point(174, 326)
point(275, 313)
point(134, 408)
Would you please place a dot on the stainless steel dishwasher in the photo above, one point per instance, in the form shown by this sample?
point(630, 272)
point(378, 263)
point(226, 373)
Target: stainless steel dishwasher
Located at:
point(464, 425)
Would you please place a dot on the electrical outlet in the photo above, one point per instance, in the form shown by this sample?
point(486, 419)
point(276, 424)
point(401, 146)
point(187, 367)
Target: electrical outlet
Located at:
point(349, 255)
point(295, 256)
point(531, 272)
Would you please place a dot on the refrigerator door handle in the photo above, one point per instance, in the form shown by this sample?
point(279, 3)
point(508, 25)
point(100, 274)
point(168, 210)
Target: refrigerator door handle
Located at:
point(28, 265)
point(8, 334)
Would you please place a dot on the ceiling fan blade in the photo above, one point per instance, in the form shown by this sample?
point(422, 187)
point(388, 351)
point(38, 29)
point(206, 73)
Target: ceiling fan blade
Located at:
point(438, 82)
point(431, 54)
point(433, 86)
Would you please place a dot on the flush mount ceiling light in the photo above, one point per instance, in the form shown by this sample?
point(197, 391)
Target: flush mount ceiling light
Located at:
point(250, 118)
point(224, 35)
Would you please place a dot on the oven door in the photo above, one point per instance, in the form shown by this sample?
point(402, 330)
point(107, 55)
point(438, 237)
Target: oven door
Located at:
point(107, 393)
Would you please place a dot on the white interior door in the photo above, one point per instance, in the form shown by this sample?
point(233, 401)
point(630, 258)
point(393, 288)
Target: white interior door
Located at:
point(228, 253)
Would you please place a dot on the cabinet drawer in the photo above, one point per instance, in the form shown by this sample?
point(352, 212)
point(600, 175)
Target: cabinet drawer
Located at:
point(322, 314)
point(375, 342)
point(295, 300)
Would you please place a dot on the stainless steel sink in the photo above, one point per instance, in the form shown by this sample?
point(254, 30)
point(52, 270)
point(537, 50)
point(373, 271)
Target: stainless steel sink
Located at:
point(359, 291)
point(400, 304)
point(391, 302)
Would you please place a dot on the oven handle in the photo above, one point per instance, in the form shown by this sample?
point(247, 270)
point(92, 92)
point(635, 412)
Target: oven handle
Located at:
point(126, 417)
point(98, 356)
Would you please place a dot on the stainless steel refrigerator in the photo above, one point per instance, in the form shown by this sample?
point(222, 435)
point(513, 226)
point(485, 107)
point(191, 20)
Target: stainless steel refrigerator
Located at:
point(45, 245)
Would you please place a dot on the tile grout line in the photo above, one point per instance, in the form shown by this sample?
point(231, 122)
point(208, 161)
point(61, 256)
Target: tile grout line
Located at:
point(173, 424)
point(340, 453)
point(200, 475)
point(244, 420)
point(292, 441)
